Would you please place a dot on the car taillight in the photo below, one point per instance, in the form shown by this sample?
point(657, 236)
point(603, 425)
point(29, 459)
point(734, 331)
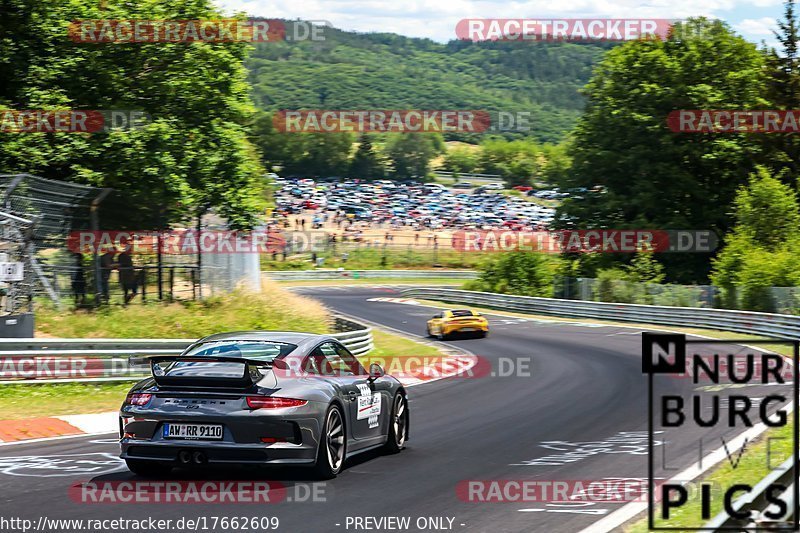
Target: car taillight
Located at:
point(138, 399)
point(272, 402)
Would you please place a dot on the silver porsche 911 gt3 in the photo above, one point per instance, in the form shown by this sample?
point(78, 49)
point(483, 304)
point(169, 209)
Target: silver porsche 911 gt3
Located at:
point(255, 397)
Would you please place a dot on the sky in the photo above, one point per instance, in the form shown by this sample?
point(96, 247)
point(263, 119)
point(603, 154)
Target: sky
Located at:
point(436, 19)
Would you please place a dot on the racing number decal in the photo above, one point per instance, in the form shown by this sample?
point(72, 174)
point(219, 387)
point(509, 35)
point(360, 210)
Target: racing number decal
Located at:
point(369, 405)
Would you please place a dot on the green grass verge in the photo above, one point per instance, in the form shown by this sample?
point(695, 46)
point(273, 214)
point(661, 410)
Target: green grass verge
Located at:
point(32, 401)
point(273, 309)
point(391, 345)
point(373, 259)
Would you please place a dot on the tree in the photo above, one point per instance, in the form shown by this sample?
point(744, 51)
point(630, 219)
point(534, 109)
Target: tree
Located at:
point(366, 163)
point(194, 152)
point(784, 93)
point(650, 176)
point(460, 160)
point(766, 210)
point(761, 251)
point(645, 268)
point(278, 149)
point(525, 273)
point(517, 162)
point(325, 154)
point(411, 153)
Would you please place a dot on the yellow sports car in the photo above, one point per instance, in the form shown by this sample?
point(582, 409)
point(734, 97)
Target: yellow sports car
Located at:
point(457, 321)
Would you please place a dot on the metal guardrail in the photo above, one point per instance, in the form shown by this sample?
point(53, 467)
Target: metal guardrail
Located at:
point(755, 504)
point(766, 324)
point(470, 175)
point(26, 361)
point(300, 275)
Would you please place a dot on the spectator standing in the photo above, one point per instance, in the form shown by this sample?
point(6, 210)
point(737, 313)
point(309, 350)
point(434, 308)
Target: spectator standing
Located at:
point(127, 275)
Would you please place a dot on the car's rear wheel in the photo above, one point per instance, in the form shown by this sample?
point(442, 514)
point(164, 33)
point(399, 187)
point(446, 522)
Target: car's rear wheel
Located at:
point(332, 445)
point(148, 468)
point(398, 425)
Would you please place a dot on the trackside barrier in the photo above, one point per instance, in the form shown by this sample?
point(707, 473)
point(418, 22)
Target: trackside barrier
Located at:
point(20, 359)
point(301, 275)
point(766, 324)
point(755, 504)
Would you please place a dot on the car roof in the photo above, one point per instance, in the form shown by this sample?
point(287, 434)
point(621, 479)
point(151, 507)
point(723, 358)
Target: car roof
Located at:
point(300, 339)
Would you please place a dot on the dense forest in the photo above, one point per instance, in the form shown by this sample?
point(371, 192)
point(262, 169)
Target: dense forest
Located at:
point(350, 70)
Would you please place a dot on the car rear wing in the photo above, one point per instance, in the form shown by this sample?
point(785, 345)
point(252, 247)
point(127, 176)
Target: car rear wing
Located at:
point(250, 370)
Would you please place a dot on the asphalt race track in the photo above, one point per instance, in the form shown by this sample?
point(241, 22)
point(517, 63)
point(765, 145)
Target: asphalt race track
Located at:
point(583, 406)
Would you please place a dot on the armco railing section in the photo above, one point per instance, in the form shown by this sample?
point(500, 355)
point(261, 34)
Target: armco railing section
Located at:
point(69, 360)
point(762, 514)
point(299, 275)
point(765, 324)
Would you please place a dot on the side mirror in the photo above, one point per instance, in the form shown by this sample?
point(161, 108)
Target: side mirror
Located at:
point(375, 372)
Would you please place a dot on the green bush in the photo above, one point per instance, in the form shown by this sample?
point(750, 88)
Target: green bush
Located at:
point(523, 273)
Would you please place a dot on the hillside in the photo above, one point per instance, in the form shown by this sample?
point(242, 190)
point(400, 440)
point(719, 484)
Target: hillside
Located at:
point(379, 71)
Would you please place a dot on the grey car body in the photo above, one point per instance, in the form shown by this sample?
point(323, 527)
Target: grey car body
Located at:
point(210, 383)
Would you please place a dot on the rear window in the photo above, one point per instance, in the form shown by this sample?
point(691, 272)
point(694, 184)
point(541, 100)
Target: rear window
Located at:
point(187, 369)
point(462, 312)
point(257, 350)
point(221, 370)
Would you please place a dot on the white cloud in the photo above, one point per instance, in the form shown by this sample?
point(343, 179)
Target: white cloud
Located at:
point(758, 27)
point(436, 19)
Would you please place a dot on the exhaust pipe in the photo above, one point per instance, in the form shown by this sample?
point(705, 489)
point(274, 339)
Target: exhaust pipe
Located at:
point(184, 457)
point(199, 458)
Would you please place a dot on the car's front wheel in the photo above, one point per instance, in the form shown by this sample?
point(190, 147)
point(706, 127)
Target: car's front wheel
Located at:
point(148, 468)
point(332, 445)
point(398, 425)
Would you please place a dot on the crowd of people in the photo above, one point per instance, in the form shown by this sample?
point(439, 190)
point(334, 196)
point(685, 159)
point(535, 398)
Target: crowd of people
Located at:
point(111, 259)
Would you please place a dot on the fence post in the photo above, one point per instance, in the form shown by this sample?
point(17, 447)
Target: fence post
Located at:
point(95, 224)
point(171, 283)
